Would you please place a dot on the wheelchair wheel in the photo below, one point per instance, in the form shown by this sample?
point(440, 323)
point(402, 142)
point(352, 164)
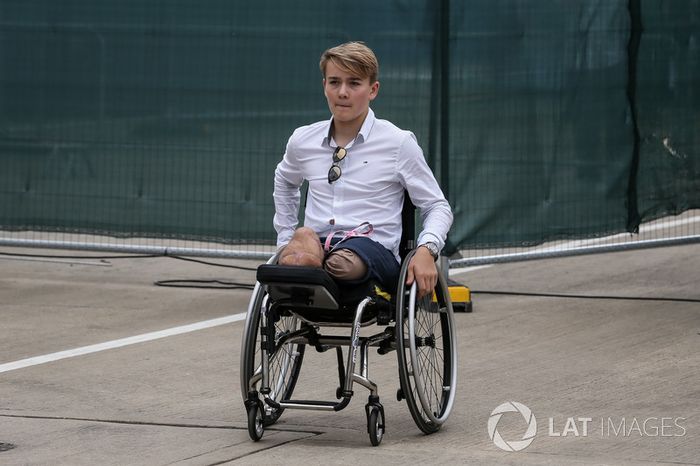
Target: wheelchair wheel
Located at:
point(375, 425)
point(426, 350)
point(284, 362)
point(256, 426)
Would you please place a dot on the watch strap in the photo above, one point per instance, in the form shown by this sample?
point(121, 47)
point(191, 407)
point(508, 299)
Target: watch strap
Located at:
point(433, 249)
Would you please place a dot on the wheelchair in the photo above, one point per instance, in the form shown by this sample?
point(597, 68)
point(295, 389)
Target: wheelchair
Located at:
point(289, 308)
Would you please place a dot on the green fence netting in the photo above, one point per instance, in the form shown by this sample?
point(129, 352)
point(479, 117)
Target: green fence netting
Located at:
point(166, 119)
point(668, 108)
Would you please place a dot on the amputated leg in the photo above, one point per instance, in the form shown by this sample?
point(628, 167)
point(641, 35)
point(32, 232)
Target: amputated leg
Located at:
point(344, 264)
point(304, 249)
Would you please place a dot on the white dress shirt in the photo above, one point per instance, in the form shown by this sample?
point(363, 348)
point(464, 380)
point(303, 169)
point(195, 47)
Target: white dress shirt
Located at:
point(381, 162)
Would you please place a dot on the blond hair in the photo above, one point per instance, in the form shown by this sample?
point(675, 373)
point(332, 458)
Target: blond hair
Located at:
point(352, 57)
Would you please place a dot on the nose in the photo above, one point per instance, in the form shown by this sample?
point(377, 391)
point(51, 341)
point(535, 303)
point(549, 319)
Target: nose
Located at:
point(343, 90)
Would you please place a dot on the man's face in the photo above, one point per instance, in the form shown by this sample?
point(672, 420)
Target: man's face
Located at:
point(348, 95)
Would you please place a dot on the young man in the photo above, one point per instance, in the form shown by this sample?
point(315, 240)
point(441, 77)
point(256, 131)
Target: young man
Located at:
point(358, 168)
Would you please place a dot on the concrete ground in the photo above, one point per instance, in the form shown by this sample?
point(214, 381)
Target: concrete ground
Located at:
point(610, 380)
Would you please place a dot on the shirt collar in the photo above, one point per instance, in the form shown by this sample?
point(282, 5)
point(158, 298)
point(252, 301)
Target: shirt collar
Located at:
point(362, 135)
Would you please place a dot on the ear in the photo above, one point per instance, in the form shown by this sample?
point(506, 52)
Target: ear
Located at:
point(374, 90)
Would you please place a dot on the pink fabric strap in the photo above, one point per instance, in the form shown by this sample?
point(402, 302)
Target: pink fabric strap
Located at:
point(363, 229)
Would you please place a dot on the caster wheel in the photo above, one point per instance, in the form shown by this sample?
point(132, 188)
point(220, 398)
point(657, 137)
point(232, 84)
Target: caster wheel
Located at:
point(399, 395)
point(255, 421)
point(375, 425)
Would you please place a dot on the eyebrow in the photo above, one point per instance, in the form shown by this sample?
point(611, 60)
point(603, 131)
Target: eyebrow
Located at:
point(352, 78)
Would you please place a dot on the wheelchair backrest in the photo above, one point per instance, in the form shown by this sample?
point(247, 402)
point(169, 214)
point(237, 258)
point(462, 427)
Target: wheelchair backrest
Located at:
point(408, 226)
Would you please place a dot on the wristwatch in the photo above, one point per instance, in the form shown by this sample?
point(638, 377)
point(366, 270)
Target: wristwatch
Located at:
point(433, 249)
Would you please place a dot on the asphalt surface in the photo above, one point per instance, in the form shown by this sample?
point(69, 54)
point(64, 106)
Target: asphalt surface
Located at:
point(601, 350)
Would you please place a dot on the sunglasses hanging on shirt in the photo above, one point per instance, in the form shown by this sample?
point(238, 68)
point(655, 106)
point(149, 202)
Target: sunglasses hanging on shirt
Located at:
point(334, 172)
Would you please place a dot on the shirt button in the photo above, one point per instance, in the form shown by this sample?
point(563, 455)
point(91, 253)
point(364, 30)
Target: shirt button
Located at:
point(332, 221)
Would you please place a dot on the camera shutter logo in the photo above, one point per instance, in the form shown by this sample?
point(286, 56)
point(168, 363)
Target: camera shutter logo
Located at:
point(512, 407)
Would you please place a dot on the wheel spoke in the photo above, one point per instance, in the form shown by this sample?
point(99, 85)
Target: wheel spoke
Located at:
point(426, 353)
point(428, 359)
point(283, 362)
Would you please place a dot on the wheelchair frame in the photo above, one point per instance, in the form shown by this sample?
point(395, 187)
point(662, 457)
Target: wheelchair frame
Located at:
point(277, 333)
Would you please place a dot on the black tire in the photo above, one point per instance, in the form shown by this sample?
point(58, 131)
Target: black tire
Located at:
point(375, 425)
point(256, 426)
point(426, 353)
point(284, 363)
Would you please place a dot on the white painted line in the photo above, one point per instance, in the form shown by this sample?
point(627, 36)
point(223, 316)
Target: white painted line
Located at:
point(22, 363)
point(468, 269)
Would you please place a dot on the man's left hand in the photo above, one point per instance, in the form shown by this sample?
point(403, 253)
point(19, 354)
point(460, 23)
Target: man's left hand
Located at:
point(423, 271)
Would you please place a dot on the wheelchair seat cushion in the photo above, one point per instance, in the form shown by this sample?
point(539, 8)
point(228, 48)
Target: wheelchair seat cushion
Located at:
point(300, 286)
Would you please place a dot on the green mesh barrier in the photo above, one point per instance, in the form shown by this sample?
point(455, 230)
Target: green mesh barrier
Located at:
point(668, 103)
point(166, 119)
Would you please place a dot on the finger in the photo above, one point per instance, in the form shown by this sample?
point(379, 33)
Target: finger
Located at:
point(426, 287)
point(409, 276)
point(420, 282)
